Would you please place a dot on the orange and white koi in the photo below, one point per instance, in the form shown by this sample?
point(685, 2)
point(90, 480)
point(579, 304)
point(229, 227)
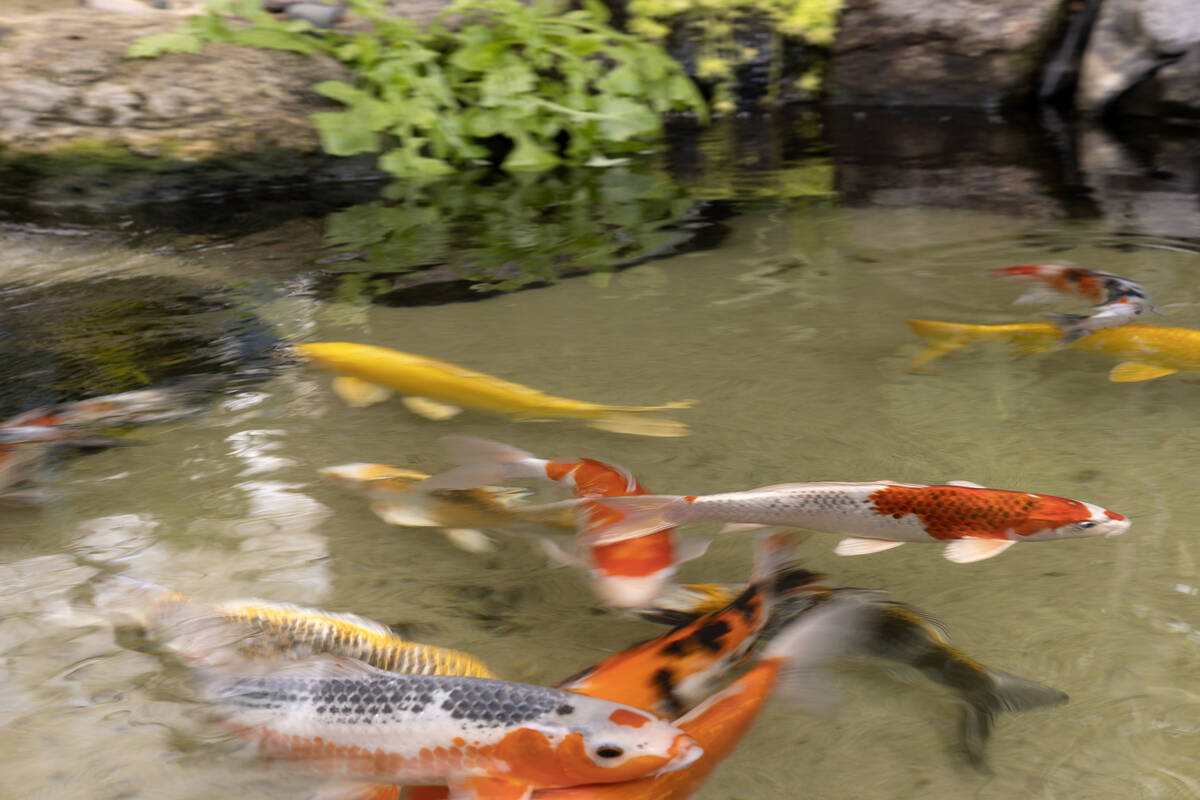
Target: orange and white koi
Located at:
point(1119, 300)
point(801, 649)
point(484, 738)
point(436, 389)
point(670, 673)
point(626, 574)
point(793, 659)
point(459, 513)
point(974, 521)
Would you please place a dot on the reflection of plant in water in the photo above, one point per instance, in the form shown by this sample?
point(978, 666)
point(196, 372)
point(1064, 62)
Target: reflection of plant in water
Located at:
point(515, 231)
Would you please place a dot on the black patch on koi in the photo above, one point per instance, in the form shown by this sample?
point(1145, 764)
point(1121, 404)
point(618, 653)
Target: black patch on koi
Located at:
point(664, 681)
point(707, 637)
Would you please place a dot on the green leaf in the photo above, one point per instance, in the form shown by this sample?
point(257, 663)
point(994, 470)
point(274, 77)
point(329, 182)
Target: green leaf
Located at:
point(274, 39)
point(499, 85)
point(526, 156)
point(404, 163)
point(625, 118)
point(342, 134)
point(161, 43)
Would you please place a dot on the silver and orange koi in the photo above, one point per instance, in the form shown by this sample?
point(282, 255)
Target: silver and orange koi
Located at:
point(793, 661)
point(975, 522)
point(627, 573)
point(485, 739)
point(1119, 300)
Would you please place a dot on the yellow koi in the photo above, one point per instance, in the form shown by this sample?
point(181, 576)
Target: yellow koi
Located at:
point(436, 389)
point(269, 630)
point(1147, 351)
point(459, 513)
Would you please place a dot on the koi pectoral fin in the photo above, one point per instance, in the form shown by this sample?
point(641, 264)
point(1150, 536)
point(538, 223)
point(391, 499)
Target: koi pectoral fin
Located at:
point(965, 551)
point(359, 393)
point(430, 409)
point(490, 789)
point(1132, 371)
point(854, 546)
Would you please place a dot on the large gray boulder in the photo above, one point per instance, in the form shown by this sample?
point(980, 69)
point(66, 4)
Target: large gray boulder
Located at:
point(1143, 56)
point(65, 84)
point(978, 53)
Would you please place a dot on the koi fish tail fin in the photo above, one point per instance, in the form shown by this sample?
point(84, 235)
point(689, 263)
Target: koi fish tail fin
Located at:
point(908, 635)
point(834, 628)
point(482, 462)
point(636, 424)
point(1073, 326)
point(942, 338)
point(629, 517)
point(1001, 692)
point(125, 600)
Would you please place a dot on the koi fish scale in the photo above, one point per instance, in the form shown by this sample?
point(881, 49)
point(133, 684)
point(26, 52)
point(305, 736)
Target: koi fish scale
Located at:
point(951, 512)
point(358, 701)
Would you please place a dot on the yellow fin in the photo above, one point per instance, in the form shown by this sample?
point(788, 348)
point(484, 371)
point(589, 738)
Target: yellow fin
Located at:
point(1131, 371)
point(359, 393)
point(431, 409)
point(624, 422)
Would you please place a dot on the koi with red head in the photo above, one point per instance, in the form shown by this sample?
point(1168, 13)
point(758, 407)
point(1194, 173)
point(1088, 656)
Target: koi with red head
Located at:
point(975, 522)
point(1118, 300)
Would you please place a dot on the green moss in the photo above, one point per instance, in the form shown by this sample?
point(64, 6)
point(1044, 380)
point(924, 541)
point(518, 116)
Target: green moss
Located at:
point(713, 22)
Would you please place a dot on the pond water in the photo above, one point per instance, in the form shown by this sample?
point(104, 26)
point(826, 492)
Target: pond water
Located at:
point(766, 271)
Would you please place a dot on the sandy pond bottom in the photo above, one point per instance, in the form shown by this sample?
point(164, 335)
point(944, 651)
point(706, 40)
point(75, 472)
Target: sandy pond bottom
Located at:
point(791, 338)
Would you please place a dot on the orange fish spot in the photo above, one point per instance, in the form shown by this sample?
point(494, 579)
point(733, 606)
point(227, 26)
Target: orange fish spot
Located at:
point(632, 719)
point(1113, 515)
point(952, 512)
point(637, 557)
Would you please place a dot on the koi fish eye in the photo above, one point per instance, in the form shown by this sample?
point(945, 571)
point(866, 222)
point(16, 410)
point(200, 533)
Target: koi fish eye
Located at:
point(1087, 523)
point(609, 751)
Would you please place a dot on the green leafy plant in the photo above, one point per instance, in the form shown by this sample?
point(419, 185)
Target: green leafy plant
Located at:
point(487, 75)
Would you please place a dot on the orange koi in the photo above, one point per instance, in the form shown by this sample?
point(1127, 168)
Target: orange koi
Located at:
point(627, 573)
point(828, 631)
point(671, 672)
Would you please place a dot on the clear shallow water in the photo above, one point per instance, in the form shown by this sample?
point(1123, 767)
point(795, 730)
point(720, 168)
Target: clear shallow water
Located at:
point(790, 335)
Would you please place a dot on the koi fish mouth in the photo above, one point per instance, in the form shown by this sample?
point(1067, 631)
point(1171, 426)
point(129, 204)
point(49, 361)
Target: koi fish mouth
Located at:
point(684, 752)
point(1122, 524)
